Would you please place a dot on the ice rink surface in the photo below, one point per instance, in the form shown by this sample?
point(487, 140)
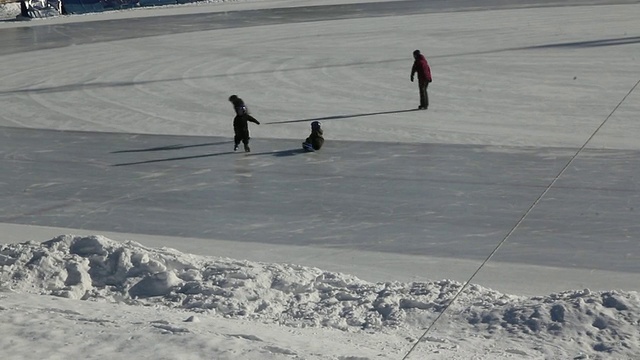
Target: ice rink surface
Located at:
point(444, 202)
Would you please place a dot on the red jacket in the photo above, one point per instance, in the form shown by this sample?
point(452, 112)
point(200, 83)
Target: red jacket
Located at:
point(421, 66)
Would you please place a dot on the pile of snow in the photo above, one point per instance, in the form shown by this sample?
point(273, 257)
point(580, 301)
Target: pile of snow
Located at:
point(99, 269)
point(9, 11)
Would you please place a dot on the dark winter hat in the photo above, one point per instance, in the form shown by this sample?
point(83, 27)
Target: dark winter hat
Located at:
point(233, 97)
point(416, 52)
point(315, 125)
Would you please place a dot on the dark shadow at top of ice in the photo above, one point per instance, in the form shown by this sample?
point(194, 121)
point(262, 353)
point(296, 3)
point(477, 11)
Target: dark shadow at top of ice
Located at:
point(591, 43)
point(339, 117)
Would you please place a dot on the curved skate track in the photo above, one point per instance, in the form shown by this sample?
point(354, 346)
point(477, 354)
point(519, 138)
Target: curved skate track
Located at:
point(123, 126)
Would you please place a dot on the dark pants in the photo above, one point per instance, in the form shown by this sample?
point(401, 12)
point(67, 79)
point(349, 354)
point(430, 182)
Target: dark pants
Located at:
point(424, 97)
point(241, 135)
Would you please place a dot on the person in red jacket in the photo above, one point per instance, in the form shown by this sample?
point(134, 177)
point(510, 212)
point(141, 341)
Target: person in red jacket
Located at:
point(421, 67)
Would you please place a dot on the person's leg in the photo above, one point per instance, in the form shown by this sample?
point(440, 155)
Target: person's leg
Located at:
point(245, 141)
point(424, 101)
point(236, 141)
point(426, 96)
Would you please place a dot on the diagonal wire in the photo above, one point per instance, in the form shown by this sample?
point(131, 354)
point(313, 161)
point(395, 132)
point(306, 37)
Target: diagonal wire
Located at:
point(517, 225)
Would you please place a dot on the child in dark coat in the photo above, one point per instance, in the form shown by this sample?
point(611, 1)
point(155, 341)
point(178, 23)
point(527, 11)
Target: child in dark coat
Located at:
point(241, 123)
point(316, 139)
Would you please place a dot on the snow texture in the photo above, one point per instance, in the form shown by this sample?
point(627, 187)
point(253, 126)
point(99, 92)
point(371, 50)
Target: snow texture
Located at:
point(91, 297)
point(95, 268)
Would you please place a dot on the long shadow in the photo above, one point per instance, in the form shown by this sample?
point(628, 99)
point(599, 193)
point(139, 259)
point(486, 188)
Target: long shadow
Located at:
point(280, 153)
point(573, 44)
point(338, 117)
point(101, 85)
point(407, 60)
point(170, 147)
point(591, 43)
point(173, 159)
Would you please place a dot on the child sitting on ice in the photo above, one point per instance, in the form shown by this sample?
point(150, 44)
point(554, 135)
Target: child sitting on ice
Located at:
point(315, 140)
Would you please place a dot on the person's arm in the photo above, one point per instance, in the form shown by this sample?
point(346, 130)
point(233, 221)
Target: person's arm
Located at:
point(414, 69)
point(252, 119)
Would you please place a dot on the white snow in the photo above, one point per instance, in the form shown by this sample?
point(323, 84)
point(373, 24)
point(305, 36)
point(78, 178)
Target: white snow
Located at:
point(88, 296)
point(9, 11)
point(166, 292)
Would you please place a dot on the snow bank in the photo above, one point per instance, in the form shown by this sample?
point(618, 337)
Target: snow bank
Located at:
point(99, 269)
point(9, 11)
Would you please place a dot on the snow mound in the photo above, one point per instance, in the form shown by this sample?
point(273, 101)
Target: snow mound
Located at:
point(99, 269)
point(9, 11)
